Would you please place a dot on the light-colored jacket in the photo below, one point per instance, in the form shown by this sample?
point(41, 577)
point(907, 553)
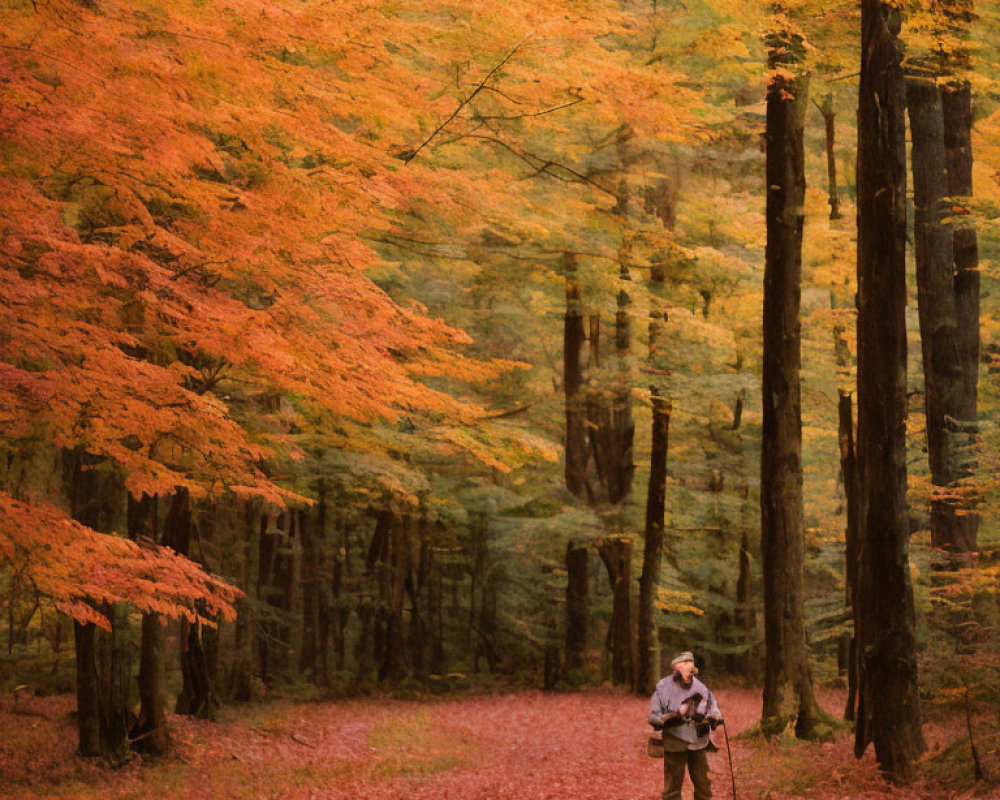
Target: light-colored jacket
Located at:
point(687, 700)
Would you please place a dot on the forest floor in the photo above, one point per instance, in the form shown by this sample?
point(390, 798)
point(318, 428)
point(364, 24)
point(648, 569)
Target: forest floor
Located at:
point(528, 746)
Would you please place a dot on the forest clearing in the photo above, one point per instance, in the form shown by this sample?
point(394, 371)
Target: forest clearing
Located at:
point(587, 746)
point(412, 397)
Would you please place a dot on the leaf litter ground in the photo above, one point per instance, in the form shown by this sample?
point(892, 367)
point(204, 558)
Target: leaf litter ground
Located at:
point(529, 746)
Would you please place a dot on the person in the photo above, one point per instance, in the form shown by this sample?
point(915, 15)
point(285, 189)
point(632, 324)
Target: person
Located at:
point(686, 711)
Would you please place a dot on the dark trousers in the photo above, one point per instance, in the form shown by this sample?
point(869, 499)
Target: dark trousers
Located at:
point(673, 774)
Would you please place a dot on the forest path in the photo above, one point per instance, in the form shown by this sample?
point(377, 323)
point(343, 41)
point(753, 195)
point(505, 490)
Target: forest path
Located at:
point(524, 746)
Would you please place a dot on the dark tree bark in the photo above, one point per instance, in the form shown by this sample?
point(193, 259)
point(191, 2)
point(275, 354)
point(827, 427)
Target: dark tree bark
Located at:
point(311, 535)
point(957, 530)
point(788, 692)
point(244, 662)
point(745, 615)
point(948, 407)
point(399, 562)
point(617, 557)
point(341, 610)
point(88, 690)
point(594, 342)
point(197, 696)
point(576, 415)
point(829, 119)
point(267, 545)
point(609, 413)
point(102, 665)
point(150, 734)
point(577, 606)
point(888, 711)
point(849, 474)
point(652, 551)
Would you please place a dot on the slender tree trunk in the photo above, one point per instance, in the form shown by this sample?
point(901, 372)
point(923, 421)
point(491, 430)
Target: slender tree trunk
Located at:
point(849, 473)
point(745, 615)
point(577, 607)
point(576, 415)
point(311, 537)
point(788, 692)
point(888, 711)
point(341, 612)
point(829, 119)
point(617, 557)
point(958, 530)
point(244, 661)
point(396, 664)
point(652, 553)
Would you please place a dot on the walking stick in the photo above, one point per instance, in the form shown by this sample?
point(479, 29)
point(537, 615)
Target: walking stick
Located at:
point(729, 752)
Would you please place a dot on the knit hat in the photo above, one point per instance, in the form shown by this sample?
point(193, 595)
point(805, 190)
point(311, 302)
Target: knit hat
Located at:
point(682, 657)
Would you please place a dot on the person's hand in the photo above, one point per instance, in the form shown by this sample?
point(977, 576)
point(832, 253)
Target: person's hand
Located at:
point(670, 719)
point(715, 722)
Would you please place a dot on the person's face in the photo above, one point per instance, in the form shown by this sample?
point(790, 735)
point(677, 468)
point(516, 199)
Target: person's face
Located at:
point(684, 669)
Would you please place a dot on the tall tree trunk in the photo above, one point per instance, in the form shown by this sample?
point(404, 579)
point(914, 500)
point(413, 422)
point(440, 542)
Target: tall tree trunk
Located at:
point(958, 532)
point(849, 473)
point(617, 557)
point(115, 672)
point(888, 711)
point(341, 611)
point(576, 415)
point(652, 551)
point(399, 564)
point(244, 662)
point(102, 666)
point(609, 409)
point(150, 734)
point(311, 536)
point(197, 695)
point(788, 692)
point(745, 615)
point(88, 689)
point(947, 404)
point(829, 119)
point(577, 607)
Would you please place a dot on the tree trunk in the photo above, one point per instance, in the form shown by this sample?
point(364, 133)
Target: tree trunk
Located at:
point(576, 415)
point(652, 551)
point(311, 536)
point(577, 607)
point(399, 564)
point(197, 696)
point(150, 733)
point(244, 661)
point(617, 557)
point(958, 532)
point(788, 692)
point(941, 340)
point(829, 119)
point(88, 690)
point(745, 616)
point(102, 666)
point(849, 473)
point(888, 711)
point(609, 409)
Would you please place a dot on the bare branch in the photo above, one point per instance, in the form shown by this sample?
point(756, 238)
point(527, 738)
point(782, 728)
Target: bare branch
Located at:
point(482, 84)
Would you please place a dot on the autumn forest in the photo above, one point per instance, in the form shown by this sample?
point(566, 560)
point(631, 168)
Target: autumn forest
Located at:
point(388, 386)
